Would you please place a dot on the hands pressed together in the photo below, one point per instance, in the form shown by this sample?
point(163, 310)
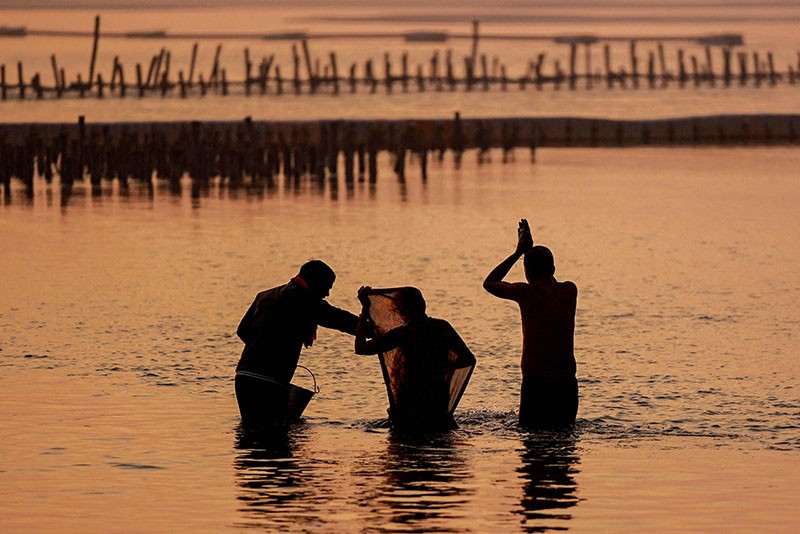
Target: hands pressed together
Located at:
point(524, 237)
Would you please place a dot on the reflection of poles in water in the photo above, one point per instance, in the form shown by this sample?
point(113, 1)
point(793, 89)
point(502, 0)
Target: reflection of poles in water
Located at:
point(274, 482)
point(426, 481)
point(549, 463)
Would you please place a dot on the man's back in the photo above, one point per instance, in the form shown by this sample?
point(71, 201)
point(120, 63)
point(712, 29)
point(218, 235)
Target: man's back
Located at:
point(547, 308)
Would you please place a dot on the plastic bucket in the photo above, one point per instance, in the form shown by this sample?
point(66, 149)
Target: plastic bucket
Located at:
point(300, 397)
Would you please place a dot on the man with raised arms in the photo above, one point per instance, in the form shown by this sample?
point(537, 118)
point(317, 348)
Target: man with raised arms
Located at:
point(549, 394)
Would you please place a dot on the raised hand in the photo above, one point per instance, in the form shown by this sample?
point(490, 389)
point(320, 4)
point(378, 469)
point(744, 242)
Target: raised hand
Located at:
point(524, 237)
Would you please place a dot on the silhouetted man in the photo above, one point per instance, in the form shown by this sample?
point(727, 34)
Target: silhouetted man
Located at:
point(549, 395)
point(279, 322)
point(427, 354)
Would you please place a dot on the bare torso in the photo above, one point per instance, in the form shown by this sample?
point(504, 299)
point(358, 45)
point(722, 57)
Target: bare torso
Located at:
point(547, 308)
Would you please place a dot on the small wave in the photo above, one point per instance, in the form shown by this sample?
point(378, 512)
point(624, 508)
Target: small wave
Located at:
point(126, 465)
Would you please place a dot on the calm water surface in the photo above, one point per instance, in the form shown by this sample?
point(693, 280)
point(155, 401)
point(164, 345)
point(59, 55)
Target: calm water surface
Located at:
point(117, 349)
point(118, 310)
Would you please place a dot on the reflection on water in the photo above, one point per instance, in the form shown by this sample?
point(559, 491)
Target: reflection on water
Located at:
point(425, 482)
point(274, 478)
point(549, 466)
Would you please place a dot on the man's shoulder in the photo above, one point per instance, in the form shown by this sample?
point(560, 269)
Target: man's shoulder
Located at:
point(569, 285)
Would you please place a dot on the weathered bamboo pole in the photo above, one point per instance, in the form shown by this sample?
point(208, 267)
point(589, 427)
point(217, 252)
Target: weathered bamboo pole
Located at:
point(334, 73)
point(573, 51)
point(57, 80)
point(139, 81)
point(214, 76)
point(94, 50)
point(726, 59)
point(192, 63)
point(710, 66)
point(475, 38)
point(307, 55)
point(662, 60)
point(248, 66)
point(122, 86)
point(21, 82)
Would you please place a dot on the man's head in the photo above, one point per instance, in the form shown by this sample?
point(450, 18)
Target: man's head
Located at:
point(539, 263)
point(319, 277)
point(411, 304)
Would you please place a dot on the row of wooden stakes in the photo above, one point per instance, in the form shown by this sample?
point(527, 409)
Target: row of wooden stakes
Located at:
point(158, 76)
point(244, 152)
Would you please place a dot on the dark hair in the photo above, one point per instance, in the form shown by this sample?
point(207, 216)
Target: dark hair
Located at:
point(411, 303)
point(317, 274)
point(539, 262)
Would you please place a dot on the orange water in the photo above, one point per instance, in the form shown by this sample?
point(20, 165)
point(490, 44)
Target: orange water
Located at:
point(118, 349)
point(118, 311)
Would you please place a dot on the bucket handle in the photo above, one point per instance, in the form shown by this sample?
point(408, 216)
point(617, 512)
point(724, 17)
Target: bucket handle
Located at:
point(316, 388)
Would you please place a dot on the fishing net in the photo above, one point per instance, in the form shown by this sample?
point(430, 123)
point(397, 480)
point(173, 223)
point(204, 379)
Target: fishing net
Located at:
point(436, 385)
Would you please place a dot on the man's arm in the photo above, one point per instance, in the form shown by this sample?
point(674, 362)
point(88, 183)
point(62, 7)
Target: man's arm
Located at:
point(332, 317)
point(245, 328)
point(368, 343)
point(494, 281)
point(457, 345)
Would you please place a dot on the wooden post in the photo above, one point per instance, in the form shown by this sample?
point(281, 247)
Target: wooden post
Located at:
point(756, 67)
point(451, 81)
point(663, 62)
point(742, 68)
point(139, 82)
point(248, 66)
point(3, 89)
point(485, 72)
point(150, 71)
point(99, 85)
point(435, 71)
point(113, 83)
point(21, 80)
point(94, 49)
point(587, 64)
point(307, 55)
point(420, 79)
point(387, 67)
point(726, 56)
point(56, 78)
point(36, 83)
point(167, 63)
point(682, 76)
point(182, 84)
point(634, 64)
point(212, 79)
point(334, 73)
point(121, 81)
point(573, 51)
point(475, 37)
point(224, 83)
point(607, 58)
point(710, 66)
point(404, 62)
point(773, 77)
point(296, 63)
point(353, 78)
point(695, 71)
point(157, 72)
point(538, 70)
point(190, 81)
